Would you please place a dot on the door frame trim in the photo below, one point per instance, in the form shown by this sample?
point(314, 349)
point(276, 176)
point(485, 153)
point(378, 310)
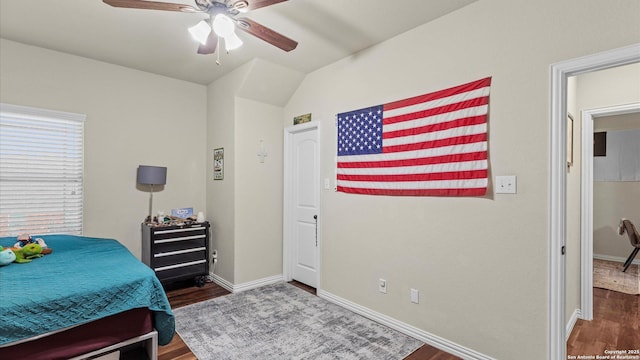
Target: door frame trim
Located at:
point(557, 210)
point(287, 216)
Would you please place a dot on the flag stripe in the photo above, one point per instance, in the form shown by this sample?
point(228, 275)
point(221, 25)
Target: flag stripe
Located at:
point(473, 120)
point(416, 154)
point(441, 118)
point(429, 145)
point(453, 175)
point(435, 136)
point(452, 158)
point(437, 143)
point(412, 185)
point(418, 169)
point(408, 115)
point(415, 192)
point(478, 93)
point(439, 94)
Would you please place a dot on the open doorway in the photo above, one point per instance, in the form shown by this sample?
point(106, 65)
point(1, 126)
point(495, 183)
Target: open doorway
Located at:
point(558, 182)
point(603, 202)
point(607, 303)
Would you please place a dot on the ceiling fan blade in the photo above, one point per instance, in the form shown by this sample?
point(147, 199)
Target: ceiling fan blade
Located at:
point(210, 46)
point(151, 5)
point(244, 5)
point(266, 34)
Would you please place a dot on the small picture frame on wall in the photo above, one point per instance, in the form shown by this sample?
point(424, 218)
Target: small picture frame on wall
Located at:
point(301, 119)
point(569, 140)
point(218, 164)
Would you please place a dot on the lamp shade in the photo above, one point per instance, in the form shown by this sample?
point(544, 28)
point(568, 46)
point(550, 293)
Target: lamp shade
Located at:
point(152, 175)
point(223, 25)
point(200, 32)
point(232, 41)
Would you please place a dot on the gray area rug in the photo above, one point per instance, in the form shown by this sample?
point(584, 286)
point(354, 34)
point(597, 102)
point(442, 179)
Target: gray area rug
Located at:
point(281, 321)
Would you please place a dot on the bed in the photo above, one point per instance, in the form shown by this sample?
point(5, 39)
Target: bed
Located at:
point(89, 296)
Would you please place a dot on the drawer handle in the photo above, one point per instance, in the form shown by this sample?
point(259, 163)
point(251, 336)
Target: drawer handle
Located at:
point(178, 252)
point(178, 230)
point(164, 241)
point(169, 267)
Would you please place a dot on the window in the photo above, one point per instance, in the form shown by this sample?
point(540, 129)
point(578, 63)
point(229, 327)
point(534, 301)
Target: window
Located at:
point(41, 171)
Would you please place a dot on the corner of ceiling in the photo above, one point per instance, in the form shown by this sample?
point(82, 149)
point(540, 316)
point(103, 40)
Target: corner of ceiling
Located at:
point(269, 83)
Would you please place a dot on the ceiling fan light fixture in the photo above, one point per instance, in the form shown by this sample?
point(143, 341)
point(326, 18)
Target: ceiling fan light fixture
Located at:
point(223, 25)
point(232, 41)
point(200, 32)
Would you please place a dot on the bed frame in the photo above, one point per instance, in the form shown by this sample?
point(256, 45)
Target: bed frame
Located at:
point(89, 340)
point(149, 341)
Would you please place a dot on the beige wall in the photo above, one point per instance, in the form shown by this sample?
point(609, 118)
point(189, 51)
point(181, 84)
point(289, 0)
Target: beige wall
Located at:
point(220, 193)
point(245, 107)
point(258, 228)
point(480, 263)
point(133, 118)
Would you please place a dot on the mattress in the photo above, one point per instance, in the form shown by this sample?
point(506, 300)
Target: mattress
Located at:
point(84, 279)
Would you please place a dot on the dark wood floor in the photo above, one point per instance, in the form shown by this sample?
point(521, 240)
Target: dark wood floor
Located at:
point(615, 325)
point(181, 296)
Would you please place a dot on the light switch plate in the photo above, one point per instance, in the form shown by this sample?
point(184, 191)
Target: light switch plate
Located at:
point(382, 286)
point(505, 184)
point(415, 296)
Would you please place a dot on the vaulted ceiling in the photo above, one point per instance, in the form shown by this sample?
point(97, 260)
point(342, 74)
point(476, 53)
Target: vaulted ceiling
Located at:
point(158, 41)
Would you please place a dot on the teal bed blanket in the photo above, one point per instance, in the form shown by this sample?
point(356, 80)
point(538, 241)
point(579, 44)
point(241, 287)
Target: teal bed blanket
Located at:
point(82, 280)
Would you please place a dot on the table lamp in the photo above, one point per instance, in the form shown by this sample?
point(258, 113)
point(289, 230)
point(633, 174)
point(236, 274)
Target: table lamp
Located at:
point(152, 175)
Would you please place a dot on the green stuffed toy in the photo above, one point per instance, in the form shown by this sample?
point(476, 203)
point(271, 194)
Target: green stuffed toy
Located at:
point(27, 253)
point(6, 256)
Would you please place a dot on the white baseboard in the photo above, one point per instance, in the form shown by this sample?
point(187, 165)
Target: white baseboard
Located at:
point(248, 285)
point(577, 314)
point(616, 258)
point(222, 282)
point(414, 332)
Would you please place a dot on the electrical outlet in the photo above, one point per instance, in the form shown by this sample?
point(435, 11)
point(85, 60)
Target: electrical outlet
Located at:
point(382, 286)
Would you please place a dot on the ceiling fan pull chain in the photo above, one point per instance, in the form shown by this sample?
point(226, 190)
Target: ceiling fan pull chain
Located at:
point(218, 52)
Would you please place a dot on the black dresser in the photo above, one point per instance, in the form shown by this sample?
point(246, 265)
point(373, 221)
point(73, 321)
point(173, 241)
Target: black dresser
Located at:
point(177, 253)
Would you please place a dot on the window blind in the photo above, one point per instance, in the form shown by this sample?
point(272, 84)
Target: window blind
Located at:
point(41, 171)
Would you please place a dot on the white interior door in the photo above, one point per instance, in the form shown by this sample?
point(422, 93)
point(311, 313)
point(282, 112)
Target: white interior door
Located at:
point(305, 186)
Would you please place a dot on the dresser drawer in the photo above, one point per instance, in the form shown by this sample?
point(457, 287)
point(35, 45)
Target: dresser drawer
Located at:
point(198, 231)
point(163, 259)
point(182, 271)
point(172, 246)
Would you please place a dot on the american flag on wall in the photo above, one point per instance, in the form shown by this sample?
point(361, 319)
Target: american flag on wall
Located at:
point(429, 145)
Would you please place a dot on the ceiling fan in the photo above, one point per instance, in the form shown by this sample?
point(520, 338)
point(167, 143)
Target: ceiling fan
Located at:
point(224, 16)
